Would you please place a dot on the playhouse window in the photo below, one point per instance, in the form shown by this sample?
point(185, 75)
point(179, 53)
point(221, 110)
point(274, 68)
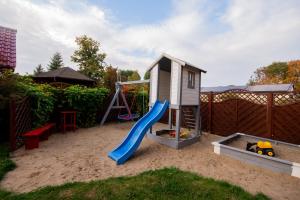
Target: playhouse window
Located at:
point(191, 80)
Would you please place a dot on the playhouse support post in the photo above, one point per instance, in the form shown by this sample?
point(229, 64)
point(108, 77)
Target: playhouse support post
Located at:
point(178, 123)
point(170, 118)
point(197, 119)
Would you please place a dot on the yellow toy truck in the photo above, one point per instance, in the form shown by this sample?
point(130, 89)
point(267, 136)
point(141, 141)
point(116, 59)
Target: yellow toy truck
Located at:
point(261, 147)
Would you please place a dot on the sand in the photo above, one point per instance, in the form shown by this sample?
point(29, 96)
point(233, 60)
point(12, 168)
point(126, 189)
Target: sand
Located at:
point(82, 156)
point(281, 151)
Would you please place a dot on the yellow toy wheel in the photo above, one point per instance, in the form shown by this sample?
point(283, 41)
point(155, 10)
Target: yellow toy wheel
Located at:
point(260, 152)
point(270, 153)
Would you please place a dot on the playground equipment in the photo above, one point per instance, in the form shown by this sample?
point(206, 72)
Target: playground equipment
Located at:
point(115, 103)
point(177, 84)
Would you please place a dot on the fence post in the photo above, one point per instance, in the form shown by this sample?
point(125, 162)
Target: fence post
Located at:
point(12, 125)
point(270, 115)
point(210, 105)
point(236, 115)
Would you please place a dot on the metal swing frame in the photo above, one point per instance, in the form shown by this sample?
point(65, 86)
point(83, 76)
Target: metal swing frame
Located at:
point(119, 92)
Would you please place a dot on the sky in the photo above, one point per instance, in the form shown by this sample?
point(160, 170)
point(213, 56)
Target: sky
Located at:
point(228, 38)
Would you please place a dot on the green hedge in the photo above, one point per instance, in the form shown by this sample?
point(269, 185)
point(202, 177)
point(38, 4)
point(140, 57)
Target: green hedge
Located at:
point(87, 101)
point(46, 100)
point(140, 98)
point(43, 100)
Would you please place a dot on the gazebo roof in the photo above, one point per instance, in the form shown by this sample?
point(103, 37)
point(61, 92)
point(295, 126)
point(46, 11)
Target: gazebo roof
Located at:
point(7, 48)
point(64, 73)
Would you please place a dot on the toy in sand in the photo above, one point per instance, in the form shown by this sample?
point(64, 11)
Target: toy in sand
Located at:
point(184, 133)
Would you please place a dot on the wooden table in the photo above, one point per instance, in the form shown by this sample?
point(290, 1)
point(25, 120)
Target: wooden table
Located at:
point(68, 120)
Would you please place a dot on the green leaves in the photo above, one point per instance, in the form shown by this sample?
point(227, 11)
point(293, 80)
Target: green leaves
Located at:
point(87, 101)
point(89, 59)
point(43, 100)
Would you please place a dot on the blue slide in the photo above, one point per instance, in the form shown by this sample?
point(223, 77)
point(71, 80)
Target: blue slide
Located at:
point(137, 133)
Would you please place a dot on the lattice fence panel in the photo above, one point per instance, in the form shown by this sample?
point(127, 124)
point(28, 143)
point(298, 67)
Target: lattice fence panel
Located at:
point(224, 118)
point(285, 99)
point(246, 112)
point(252, 119)
point(252, 97)
point(286, 123)
point(23, 123)
point(204, 97)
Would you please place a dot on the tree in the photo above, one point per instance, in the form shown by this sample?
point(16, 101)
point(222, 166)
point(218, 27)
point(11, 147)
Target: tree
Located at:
point(56, 62)
point(89, 59)
point(125, 74)
point(278, 72)
point(134, 76)
point(110, 77)
point(39, 69)
point(147, 75)
point(293, 75)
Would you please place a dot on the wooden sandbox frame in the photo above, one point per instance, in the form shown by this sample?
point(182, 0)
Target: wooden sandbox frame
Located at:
point(272, 163)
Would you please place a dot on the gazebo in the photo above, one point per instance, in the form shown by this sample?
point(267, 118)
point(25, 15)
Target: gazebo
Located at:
point(63, 76)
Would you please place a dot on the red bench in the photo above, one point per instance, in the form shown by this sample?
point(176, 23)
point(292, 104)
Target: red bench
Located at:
point(32, 138)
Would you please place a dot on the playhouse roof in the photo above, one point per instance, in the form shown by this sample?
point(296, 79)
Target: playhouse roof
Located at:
point(7, 48)
point(64, 73)
point(252, 88)
point(179, 61)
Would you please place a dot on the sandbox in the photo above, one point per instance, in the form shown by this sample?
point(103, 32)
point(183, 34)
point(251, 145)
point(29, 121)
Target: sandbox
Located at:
point(286, 160)
point(162, 137)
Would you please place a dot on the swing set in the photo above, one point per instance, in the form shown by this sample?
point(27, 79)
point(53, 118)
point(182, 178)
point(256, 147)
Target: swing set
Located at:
point(119, 95)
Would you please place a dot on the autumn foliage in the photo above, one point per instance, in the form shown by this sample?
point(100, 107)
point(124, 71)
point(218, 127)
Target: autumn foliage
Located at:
point(278, 72)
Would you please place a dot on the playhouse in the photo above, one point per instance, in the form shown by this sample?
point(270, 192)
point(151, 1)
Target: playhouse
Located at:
point(178, 82)
point(174, 86)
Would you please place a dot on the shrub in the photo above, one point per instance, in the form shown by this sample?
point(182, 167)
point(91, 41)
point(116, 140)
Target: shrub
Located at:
point(43, 99)
point(87, 101)
point(142, 101)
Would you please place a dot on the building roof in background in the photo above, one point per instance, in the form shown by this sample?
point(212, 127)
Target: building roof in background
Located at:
point(252, 88)
point(222, 88)
point(64, 72)
point(179, 61)
point(7, 47)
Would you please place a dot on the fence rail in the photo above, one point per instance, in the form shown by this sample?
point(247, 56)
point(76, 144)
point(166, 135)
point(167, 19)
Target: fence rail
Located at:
point(269, 115)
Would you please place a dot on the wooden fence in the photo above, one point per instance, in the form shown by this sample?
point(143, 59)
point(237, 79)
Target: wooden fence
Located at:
point(20, 121)
point(269, 115)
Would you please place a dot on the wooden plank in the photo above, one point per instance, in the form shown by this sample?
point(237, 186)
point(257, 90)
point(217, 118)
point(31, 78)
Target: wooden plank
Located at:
point(118, 107)
point(269, 115)
point(134, 82)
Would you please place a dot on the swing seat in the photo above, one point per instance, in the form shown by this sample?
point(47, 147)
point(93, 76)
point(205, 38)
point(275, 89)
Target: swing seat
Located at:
point(127, 117)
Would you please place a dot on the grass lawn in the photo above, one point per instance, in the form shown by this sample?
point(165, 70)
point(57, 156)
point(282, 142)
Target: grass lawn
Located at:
point(167, 183)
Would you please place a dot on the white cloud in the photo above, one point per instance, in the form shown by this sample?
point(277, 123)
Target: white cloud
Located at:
point(229, 43)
